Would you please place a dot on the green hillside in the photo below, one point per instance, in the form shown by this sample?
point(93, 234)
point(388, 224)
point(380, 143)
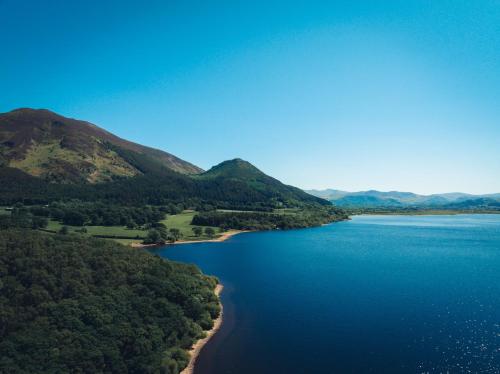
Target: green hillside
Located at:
point(71, 304)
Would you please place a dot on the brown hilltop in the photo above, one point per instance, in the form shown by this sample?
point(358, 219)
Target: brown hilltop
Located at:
point(60, 149)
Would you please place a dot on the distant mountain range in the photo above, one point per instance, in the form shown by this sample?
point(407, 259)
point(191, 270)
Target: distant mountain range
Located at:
point(47, 157)
point(397, 199)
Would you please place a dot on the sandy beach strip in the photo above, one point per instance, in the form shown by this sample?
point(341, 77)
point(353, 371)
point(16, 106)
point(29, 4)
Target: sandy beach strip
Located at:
point(225, 236)
point(221, 238)
point(197, 347)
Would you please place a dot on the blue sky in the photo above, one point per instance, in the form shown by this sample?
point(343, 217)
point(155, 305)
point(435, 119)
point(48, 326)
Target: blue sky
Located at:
point(390, 95)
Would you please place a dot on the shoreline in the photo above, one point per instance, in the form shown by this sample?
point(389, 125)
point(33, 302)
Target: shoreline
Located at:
point(223, 237)
point(195, 350)
point(424, 213)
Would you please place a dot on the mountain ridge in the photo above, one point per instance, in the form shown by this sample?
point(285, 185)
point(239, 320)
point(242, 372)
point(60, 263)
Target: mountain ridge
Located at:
point(398, 199)
point(62, 149)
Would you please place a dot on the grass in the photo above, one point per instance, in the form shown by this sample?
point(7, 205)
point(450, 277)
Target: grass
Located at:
point(182, 221)
point(103, 230)
point(4, 211)
point(40, 158)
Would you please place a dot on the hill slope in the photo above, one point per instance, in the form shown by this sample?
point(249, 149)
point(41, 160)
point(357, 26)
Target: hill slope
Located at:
point(59, 149)
point(71, 304)
point(46, 157)
point(241, 174)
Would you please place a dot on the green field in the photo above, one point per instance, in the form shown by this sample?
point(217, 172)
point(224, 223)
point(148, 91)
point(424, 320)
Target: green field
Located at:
point(133, 234)
point(182, 221)
point(4, 211)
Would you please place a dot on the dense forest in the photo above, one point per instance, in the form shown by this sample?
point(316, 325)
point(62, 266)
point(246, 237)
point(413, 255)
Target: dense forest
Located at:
point(269, 221)
point(77, 213)
point(69, 304)
point(155, 189)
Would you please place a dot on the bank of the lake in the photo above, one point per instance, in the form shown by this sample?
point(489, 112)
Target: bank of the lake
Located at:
point(391, 294)
point(222, 237)
point(423, 212)
point(195, 350)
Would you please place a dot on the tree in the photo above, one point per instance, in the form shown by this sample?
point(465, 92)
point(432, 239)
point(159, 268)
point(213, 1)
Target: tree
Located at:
point(197, 230)
point(162, 230)
point(39, 222)
point(175, 234)
point(210, 232)
point(153, 237)
point(74, 218)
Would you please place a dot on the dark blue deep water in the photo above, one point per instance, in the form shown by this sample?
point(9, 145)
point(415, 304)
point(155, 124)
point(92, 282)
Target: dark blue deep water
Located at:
point(378, 294)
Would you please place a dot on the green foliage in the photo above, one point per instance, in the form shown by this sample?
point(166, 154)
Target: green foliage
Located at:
point(69, 304)
point(175, 234)
point(210, 232)
point(269, 221)
point(21, 217)
point(154, 237)
point(64, 230)
point(78, 213)
point(39, 222)
point(197, 231)
point(182, 222)
point(255, 191)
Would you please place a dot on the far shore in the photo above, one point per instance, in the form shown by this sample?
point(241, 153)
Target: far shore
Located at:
point(423, 213)
point(195, 350)
point(223, 237)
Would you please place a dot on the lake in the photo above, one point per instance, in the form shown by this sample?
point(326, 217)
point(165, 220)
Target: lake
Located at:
point(377, 294)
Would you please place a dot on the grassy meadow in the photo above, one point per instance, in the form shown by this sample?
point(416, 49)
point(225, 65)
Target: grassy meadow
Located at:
point(124, 235)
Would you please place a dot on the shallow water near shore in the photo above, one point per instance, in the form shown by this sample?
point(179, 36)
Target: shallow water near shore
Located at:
point(377, 294)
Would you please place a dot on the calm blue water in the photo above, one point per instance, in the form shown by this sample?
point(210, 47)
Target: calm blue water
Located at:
point(378, 294)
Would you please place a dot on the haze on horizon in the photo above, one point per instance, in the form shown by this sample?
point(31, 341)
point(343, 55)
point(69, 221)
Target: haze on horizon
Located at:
point(354, 96)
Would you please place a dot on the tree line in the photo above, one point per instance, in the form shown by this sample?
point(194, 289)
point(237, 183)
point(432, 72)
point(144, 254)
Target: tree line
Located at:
point(268, 221)
point(78, 213)
point(162, 189)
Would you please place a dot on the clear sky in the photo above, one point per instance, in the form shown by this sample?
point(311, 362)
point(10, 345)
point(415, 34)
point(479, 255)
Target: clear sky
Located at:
point(354, 95)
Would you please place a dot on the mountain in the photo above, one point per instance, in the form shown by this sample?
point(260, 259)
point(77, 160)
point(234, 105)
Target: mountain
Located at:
point(366, 200)
point(397, 199)
point(245, 176)
point(60, 149)
point(47, 157)
point(328, 194)
point(476, 203)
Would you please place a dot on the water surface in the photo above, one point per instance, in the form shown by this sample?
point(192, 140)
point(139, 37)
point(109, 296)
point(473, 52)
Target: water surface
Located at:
point(377, 294)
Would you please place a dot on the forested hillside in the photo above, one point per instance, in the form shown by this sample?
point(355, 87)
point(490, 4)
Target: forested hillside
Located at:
point(69, 304)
